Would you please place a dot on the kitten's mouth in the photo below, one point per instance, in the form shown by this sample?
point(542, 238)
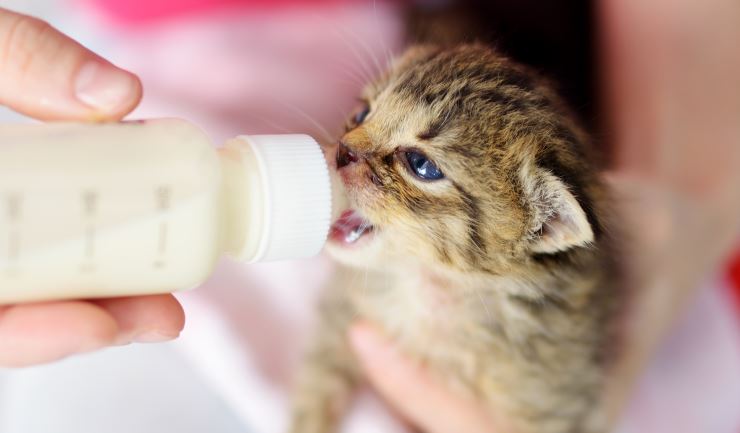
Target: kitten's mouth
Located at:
point(350, 228)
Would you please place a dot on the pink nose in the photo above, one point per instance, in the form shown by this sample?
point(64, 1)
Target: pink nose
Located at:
point(345, 156)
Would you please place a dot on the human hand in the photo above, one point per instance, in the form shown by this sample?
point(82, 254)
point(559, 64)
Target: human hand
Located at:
point(414, 392)
point(672, 100)
point(48, 76)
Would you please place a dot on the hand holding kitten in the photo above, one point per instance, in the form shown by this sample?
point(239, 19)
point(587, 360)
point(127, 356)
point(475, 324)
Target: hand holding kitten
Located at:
point(413, 392)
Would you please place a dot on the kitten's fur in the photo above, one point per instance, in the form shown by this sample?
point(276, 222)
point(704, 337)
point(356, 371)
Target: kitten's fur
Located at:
point(497, 277)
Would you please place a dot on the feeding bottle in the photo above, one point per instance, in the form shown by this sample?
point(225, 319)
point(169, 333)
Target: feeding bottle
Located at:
point(144, 207)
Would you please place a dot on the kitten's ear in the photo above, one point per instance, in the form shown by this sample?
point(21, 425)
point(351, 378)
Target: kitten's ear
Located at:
point(560, 222)
point(414, 54)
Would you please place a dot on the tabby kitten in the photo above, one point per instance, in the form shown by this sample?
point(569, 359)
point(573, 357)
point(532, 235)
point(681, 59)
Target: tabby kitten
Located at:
point(475, 236)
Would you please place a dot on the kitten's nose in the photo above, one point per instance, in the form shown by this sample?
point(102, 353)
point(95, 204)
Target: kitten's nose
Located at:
point(345, 156)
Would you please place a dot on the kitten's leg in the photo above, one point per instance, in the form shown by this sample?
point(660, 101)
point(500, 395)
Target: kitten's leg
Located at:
point(330, 372)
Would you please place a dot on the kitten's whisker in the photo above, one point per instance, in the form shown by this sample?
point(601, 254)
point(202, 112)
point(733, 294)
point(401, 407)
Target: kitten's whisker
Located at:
point(347, 78)
point(485, 305)
point(366, 69)
point(370, 53)
point(388, 54)
point(271, 124)
point(321, 129)
point(350, 72)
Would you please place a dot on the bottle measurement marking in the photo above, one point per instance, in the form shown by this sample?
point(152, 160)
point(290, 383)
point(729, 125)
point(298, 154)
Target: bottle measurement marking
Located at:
point(13, 203)
point(162, 237)
point(163, 198)
point(90, 202)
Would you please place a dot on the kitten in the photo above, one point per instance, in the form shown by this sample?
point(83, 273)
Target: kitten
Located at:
point(476, 237)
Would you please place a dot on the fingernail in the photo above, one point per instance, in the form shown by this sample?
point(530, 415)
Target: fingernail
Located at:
point(104, 87)
point(154, 336)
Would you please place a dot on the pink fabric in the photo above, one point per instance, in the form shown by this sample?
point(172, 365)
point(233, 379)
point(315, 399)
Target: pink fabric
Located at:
point(146, 11)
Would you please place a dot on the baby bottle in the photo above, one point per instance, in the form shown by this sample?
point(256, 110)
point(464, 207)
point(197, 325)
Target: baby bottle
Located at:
point(144, 207)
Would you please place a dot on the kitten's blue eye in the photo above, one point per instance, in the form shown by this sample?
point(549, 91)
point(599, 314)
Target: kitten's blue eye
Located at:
point(361, 115)
point(422, 166)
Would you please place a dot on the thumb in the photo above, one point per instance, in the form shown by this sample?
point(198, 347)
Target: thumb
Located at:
point(46, 75)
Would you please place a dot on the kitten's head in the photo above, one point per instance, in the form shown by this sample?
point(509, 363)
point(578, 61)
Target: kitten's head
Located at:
point(461, 160)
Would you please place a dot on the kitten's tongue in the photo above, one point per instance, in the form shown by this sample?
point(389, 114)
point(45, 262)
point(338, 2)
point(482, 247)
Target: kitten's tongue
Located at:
point(349, 228)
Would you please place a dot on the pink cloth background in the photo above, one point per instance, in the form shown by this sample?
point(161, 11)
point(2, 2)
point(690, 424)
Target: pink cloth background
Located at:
point(139, 11)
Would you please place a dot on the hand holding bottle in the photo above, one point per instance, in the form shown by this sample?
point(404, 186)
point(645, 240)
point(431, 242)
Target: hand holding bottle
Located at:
point(48, 76)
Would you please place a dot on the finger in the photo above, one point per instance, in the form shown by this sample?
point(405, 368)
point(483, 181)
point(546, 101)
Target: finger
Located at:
point(411, 390)
point(38, 333)
point(145, 319)
point(46, 75)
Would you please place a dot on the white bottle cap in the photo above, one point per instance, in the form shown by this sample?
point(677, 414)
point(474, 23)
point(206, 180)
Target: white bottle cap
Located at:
point(296, 196)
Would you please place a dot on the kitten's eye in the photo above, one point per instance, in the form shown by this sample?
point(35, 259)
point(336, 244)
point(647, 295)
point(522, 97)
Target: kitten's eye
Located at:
point(361, 115)
point(422, 166)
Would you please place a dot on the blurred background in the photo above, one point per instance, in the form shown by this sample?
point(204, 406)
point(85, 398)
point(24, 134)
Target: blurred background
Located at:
point(251, 66)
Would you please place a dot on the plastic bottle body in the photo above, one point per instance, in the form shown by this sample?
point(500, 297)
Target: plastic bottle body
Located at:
point(107, 213)
point(120, 209)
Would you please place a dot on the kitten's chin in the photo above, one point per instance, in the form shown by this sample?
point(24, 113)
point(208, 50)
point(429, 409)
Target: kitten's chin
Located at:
point(353, 240)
